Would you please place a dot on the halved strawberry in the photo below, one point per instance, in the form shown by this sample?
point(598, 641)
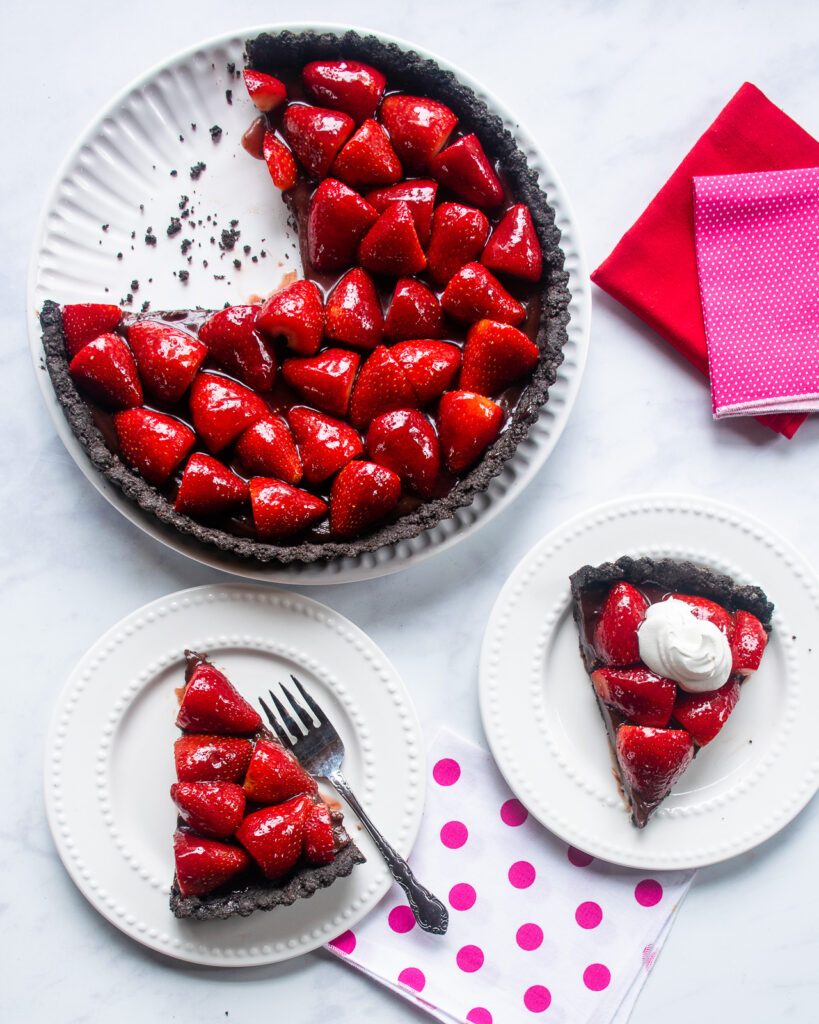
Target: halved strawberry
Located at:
point(346, 85)
point(652, 760)
point(281, 164)
point(458, 236)
point(280, 510)
point(514, 247)
point(167, 358)
point(704, 714)
point(405, 441)
point(319, 841)
point(203, 865)
point(643, 697)
point(615, 633)
point(315, 135)
point(211, 703)
point(201, 758)
point(213, 809)
point(467, 425)
point(274, 836)
point(234, 342)
point(417, 193)
point(367, 158)
point(84, 321)
point(748, 642)
point(465, 169)
point(295, 313)
point(382, 385)
point(325, 380)
point(353, 313)
point(496, 355)
point(337, 218)
point(267, 448)
point(430, 365)
point(208, 487)
point(105, 370)
point(414, 312)
point(474, 294)
point(362, 494)
point(709, 611)
point(419, 128)
point(265, 91)
point(325, 444)
point(274, 775)
point(153, 443)
point(391, 245)
point(221, 409)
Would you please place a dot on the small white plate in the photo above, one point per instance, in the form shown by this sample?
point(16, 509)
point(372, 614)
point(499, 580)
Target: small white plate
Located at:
point(109, 762)
point(541, 718)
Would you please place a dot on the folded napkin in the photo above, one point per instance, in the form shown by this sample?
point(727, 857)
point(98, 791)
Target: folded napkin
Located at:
point(653, 269)
point(534, 923)
point(758, 260)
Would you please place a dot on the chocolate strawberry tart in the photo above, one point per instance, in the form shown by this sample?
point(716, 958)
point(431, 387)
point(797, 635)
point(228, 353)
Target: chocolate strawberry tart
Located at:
point(373, 397)
point(669, 647)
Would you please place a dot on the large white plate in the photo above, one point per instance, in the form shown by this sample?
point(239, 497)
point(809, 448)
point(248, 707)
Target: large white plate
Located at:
point(124, 159)
point(109, 761)
point(541, 719)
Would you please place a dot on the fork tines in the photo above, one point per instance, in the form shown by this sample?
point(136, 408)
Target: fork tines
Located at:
point(292, 731)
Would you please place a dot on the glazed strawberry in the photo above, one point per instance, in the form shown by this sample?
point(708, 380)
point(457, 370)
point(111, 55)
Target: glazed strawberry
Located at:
point(296, 313)
point(274, 836)
point(336, 220)
point(362, 494)
point(280, 510)
point(353, 313)
point(704, 714)
point(221, 409)
point(467, 425)
point(419, 128)
point(85, 321)
point(652, 760)
point(274, 775)
point(210, 702)
point(325, 444)
point(431, 366)
point(615, 634)
point(474, 294)
point(208, 487)
point(346, 85)
point(325, 380)
point(315, 135)
point(153, 443)
point(641, 696)
point(391, 245)
point(104, 369)
point(367, 159)
point(465, 170)
point(748, 642)
point(496, 355)
point(414, 312)
point(211, 758)
point(203, 865)
point(405, 441)
point(319, 841)
point(213, 809)
point(418, 194)
point(267, 448)
point(167, 359)
point(458, 236)
point(281, 164)
point(710, 611)
point(514, 247)
point(382, 385)
point(265, 91)
point(234, 342)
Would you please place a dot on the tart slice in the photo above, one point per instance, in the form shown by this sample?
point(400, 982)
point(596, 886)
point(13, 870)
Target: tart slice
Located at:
point(252, 831)
point(668, 646)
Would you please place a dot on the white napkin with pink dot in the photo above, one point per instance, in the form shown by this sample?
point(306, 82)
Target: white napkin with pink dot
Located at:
point(537, 929)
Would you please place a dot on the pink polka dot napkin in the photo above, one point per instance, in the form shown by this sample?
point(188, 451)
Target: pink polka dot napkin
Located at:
point(536, 926)
point(757, 240)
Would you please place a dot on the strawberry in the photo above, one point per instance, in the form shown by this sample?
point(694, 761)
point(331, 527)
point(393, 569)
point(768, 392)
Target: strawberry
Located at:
point(458, 235)
point(221, 409)
point(336, 220)
point(430, 365)
point(643, 697)
point(213, 809)
point(234, 342)
point(274, 836)
point(203, 865)
point(167, 359)
point(346, 85)
point(295, 313)
point(210, 702)
point(319, 841)
point(652, 760)
point(709, 611)
point(496, 355)
point(265, 91)
point(211, 758)
point(362, 493)
point(382, 385)
point(405, 441)
point(315, 135)
point(465, 170)
point(85, 321)
point(418, 194)
point(281, 164)
point(105, 370)
point(514, 247)
point(280, 510)
point(748, 642)
point(414, 312)
point(353, 314)
point(704, 714)
point(419, 128)
point(274, 775)
point(267, 448)
point(391, 245)
point(615, 633)
point(153, 443)
point(474, 294)
point(208, 487)
point(467, 425)
point(367, 158)
point(325, 380)
point(325, 444)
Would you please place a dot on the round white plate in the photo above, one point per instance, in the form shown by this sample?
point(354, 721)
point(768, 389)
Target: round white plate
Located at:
point(541, 719)
point(124, 159)
point(109, 761)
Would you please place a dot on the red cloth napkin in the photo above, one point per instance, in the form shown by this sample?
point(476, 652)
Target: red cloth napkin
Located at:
point(653, 269)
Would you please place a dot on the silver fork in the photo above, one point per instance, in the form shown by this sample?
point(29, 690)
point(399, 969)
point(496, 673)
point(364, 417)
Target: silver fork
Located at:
point(320, 750)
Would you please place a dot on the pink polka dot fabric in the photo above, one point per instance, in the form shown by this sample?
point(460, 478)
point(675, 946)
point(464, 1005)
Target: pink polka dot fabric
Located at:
point(757, 240)
point(538, 930)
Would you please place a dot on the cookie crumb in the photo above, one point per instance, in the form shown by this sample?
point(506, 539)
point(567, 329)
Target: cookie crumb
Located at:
point(230, 236)
point(184, 275)
point(197, 169)
point(174, 227)
point(229, 97)
point(215, 132)
point(150, 237)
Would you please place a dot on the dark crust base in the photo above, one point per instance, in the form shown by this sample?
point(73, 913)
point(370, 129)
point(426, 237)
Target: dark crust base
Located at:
point(410, 71)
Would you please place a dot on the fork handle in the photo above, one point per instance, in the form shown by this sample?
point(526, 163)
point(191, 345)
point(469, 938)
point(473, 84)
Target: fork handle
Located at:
point(429, 912)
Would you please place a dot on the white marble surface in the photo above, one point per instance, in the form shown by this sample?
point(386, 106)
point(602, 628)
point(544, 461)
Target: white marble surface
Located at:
point(616, 92)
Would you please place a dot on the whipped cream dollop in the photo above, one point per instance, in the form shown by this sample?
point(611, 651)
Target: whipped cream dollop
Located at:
point(676, 644)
